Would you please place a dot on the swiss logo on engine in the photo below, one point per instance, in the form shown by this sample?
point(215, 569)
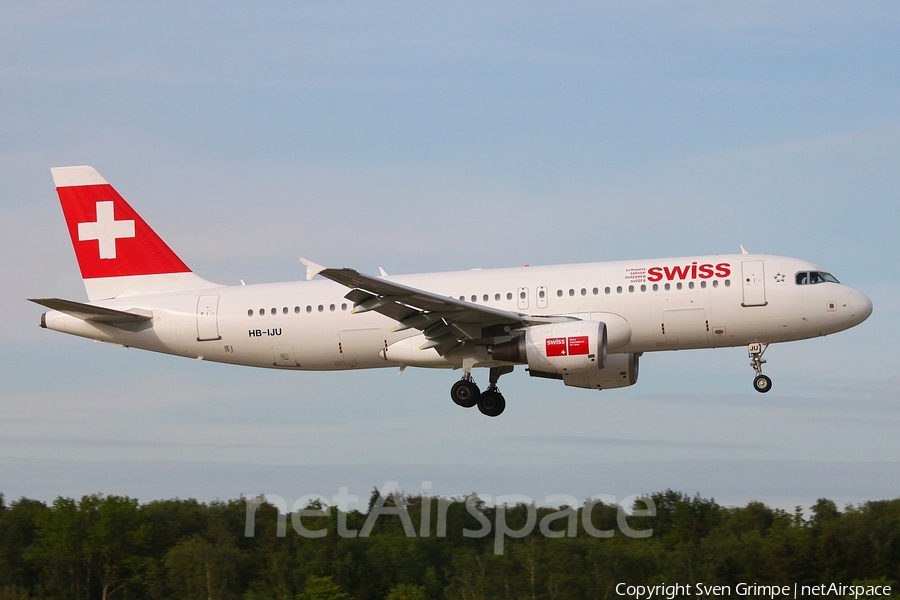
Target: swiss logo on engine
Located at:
point(572, 346)
point(557, 347)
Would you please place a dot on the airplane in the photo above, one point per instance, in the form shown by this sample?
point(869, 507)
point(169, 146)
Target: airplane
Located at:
point(584, 324)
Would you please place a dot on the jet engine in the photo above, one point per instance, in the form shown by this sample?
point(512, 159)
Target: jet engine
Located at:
point(557, 348)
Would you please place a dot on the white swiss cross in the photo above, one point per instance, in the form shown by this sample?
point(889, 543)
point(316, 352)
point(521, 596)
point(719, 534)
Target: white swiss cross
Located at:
point(106, 230)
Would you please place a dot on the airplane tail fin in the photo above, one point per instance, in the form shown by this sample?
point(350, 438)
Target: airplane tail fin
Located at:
point(117, 252)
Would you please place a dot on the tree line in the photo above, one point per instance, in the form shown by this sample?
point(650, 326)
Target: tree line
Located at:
point(113, 547)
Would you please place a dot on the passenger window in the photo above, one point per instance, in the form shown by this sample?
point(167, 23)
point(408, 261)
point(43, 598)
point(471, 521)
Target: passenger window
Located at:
point(691, 285)
point(296, 310)
point(715, 283)
point(583, 292)
point(344, 306)
point(522, 295)
point(655, 287)
point(703, 284)
point(630, 289)
point(274, 311)
point(727, 283)
point(571, 292)
point(474, 298)
point(320, 308)
point(643, 288)
point(250, 313)
point(607, 290)
point(596, 291)
point(678, 285)
point(331, 308)
point(668, 287)
point(619, 289)
point(308, 308)
point(559, 293)
point(542, 294)
point(485, 297)
point(262, 312)
point(497, 297)
point(284, 310)
point(509, 295)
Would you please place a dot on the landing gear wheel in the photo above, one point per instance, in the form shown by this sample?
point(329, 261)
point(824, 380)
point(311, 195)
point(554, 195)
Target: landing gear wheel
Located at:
point(491, 403)
point(762, 384)
point(465, 393)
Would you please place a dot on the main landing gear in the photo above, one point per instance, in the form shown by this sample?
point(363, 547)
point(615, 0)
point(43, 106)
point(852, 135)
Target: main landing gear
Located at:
point(761, 383)
point(491, 403)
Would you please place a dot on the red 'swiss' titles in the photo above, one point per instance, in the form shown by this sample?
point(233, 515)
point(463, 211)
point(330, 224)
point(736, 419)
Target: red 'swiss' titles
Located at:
point(691, 271)
point(573, 346)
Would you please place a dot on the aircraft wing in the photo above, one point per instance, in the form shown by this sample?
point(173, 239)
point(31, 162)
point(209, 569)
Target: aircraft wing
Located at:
point(94, 314)
point(445, 321)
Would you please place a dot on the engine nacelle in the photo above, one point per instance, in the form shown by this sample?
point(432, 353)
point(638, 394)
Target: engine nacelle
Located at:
point(621, 370)
point(558, 348)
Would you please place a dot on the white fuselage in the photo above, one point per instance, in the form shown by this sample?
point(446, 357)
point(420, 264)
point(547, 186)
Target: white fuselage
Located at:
point(648, 305)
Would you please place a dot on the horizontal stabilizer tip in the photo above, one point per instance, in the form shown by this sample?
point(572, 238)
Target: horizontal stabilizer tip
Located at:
point(76, 176)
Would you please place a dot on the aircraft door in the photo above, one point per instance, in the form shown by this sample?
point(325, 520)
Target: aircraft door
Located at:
point(361, 347)
point(522, 298)
point(753, 282)
point(686, 327)
point(207, 318)
point(542, 296)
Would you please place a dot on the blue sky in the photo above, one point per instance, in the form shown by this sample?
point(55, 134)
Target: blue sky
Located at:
point(424, 136)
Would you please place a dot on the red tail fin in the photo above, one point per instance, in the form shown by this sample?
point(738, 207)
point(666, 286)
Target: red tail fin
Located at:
point(115, 248)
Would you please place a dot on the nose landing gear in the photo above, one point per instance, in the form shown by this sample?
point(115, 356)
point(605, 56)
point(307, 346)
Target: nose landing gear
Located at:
point(491, 403)
point(761, 383)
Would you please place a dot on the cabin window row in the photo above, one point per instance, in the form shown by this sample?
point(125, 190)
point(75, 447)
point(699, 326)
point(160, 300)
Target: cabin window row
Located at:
point(297, 310)
point(596, 291)
point(486, 297)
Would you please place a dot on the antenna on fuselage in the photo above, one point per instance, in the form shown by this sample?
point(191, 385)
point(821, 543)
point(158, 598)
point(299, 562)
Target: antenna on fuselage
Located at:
point(744, 250)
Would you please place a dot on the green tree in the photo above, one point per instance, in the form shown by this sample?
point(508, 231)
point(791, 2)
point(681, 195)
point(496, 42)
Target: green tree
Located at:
point(200, 570)
point(18, 530)
point(322, 588)
point(14, 592)
point(406, 591)
point(93, 547)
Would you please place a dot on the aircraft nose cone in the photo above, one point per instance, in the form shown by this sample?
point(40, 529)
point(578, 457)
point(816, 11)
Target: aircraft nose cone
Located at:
point(860, 306)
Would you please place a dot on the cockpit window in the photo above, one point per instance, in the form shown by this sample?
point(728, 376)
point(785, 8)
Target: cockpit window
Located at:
point(810, 277)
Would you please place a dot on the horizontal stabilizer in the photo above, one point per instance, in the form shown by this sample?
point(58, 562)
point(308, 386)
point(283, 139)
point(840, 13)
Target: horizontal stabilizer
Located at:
point(94, 314)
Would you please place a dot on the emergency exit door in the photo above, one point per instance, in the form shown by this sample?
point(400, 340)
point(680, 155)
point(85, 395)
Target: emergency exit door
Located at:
point(753, 281)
